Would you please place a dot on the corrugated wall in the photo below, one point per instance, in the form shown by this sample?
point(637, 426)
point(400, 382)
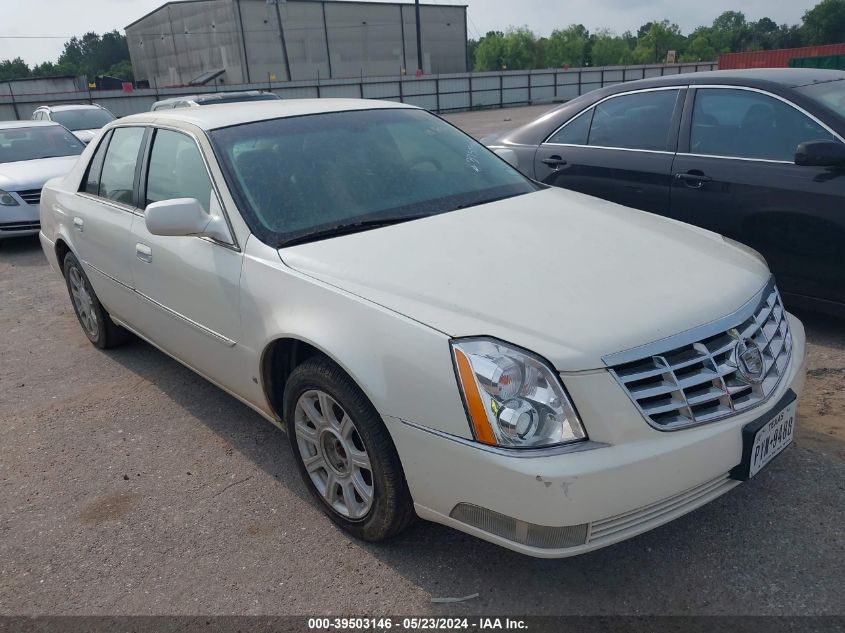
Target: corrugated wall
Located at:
point(182, 40)
point(778, 58)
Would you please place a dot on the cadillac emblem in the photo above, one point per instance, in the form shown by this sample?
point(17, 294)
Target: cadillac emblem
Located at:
point(748, 358)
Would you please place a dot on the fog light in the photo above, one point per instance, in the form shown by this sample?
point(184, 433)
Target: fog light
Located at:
point(540, 536)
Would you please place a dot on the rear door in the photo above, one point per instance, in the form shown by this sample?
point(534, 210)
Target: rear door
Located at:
point(735, 174)
point(101, 218)
point(620, 149)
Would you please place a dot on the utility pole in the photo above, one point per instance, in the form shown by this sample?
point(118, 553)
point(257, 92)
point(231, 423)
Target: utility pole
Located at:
point(419, 38)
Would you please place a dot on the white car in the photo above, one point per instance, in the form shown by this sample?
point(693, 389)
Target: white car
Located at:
point(83, 119)
point(439, 336)
point(31, 153)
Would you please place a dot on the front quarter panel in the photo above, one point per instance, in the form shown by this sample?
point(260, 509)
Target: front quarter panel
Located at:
point(404, 367)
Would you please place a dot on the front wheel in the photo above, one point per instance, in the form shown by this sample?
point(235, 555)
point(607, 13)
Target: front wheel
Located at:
point(344, 452)
point(95, 321)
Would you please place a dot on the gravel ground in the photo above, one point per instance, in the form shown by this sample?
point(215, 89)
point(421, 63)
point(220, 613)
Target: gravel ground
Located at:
point(128, 485)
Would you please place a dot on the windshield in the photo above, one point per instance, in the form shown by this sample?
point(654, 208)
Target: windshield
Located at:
point(82, 119)
point(308, 175)
point(830, 94)
point(29, 143)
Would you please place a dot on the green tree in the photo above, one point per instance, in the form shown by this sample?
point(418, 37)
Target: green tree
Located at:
point(824, 23)
point(730, 32)
point(699, 49)
point(93, 54)
point(490, 52)
point(789, 36)
point(13, 69)
point(121, 70)
point(568, 46)
point(520, 50)
point(659, 39)
point(472, 46)
point(763, 34)
point(540, 47)
point(608, 49)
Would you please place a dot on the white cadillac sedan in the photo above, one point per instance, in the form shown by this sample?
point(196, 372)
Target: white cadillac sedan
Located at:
point(439, 336)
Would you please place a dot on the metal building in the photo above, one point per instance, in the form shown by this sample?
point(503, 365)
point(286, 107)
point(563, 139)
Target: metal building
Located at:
point(197, 42)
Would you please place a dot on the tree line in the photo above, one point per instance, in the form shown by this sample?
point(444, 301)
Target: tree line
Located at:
point(90, 55)
point(731, 32)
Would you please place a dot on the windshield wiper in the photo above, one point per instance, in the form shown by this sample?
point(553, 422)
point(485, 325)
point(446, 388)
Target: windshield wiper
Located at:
point(475, 203)
point(346, 229)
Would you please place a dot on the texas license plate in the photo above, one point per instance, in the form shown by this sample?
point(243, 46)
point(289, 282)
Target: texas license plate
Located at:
point(764, 439)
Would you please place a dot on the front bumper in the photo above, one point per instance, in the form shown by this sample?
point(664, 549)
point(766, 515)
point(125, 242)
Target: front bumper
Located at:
point(630, 479)
point(19, 220)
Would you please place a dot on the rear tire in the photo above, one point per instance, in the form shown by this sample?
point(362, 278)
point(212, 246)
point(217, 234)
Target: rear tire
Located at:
point(95, 321)
point(353, 469)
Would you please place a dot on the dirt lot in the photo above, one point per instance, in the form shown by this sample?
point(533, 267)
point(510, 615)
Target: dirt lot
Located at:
point(128, 485)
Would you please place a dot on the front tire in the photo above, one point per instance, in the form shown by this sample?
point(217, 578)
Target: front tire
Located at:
point(344, 453)
point(95, 321)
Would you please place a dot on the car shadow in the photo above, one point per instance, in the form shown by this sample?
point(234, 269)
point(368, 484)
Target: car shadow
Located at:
point(21, 251)
point(704, 559)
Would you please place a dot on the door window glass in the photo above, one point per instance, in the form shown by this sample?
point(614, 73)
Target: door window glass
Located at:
point(118, 175)
point(92, 178)
point(747, 124)
point(634, 121)
point(575, 132)
point(177, 170)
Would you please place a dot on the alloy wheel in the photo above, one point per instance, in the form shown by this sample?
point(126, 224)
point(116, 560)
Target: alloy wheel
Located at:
point(334, 454)
point(84, 302)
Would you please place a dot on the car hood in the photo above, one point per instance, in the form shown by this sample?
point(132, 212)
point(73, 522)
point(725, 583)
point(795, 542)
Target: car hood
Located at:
point(32, 174)
point(570, 277)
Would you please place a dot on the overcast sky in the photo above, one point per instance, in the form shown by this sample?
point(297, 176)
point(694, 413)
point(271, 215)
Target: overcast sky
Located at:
point(61, 19)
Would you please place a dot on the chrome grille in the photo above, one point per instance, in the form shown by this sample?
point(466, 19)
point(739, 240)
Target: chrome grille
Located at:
point(30, 196)
point(20, 226)
point(699, 381)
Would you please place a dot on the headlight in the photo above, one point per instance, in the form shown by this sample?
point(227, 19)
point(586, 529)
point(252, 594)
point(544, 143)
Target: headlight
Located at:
point(513, 398)
point(7, 200)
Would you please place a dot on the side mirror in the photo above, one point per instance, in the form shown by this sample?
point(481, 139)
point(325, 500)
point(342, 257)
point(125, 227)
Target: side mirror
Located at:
point(508, 155)
point(820, 154)
point(185, 216)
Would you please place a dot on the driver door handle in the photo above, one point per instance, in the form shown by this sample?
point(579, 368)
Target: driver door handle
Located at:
point(693, 179)
point(144, 252)
point(554, 161)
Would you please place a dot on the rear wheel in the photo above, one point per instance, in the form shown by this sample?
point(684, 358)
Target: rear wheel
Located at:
point(95, 321)
point(344, 452)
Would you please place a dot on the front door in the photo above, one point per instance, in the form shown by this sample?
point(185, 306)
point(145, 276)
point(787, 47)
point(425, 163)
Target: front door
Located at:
point(620, 149)
point(188, 287)
point(736, 175)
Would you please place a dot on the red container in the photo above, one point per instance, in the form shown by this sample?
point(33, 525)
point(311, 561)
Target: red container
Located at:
point(778, 58)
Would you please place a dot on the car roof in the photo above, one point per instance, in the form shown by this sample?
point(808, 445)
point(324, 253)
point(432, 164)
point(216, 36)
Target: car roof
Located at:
point(71, 106)
point(785, 77)
point(11, 125)
point(227, 114)
point(214, 96)
point(776, 80)
point(210, 97)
